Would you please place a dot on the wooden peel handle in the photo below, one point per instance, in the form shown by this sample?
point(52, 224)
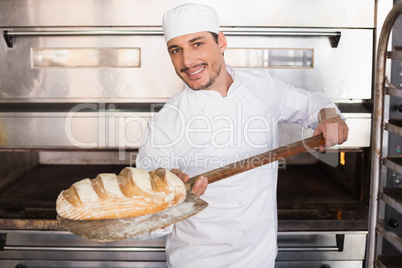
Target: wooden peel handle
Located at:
point(259, 160)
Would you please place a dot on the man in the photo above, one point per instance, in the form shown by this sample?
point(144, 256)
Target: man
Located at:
point(223, 116)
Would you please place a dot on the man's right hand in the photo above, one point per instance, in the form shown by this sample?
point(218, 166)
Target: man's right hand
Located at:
point(200, 184)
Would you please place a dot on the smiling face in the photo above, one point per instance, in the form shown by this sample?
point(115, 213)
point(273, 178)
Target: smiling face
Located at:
point(198, 60)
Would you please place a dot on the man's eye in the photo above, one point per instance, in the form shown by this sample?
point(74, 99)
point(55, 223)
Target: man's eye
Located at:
point(175, 51)
point(198, 44)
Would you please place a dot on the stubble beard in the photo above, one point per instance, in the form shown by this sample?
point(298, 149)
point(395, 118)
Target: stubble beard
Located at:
point(216, 70)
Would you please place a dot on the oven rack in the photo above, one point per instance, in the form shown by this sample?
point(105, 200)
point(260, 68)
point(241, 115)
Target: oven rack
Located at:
point(380, 195)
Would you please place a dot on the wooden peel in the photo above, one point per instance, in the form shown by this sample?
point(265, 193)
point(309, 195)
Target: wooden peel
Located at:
point(117, 229)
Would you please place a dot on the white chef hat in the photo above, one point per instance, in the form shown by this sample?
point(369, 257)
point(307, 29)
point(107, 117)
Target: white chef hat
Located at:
point(189, 18)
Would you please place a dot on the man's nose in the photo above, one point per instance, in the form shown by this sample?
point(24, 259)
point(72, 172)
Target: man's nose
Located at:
point(189, 57)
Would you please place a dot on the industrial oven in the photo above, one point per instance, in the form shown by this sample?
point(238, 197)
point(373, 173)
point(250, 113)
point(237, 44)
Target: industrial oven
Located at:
point(80, 79)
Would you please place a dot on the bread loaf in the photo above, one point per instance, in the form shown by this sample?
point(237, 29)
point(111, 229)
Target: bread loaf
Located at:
point(134, 192)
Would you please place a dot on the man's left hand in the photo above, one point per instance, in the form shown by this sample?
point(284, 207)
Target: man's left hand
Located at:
point(332, 127)
point(200, 184)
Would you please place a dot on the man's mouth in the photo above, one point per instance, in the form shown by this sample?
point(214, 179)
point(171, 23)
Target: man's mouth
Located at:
point(196, 72)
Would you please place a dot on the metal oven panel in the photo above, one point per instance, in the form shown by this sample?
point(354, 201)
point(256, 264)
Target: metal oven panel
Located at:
point(54, 67)
point(298, 246)
point(342, 72)
point(73, 129)
point(359, 131)
point(80, 68)
point(320, 264)
point(109, 55)
point(284, 13)
point(44, 249)
point(67, 68)
point(24, 263)
point(124, 130)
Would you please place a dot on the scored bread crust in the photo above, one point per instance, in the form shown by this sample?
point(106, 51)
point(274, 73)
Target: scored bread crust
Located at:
point(132, 193)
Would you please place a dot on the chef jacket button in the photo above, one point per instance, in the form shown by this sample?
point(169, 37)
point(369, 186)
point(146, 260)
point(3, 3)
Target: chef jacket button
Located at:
point(244, 231)
point(270, 188)
point(241, 202)
point(271, 219)
point(203, 110)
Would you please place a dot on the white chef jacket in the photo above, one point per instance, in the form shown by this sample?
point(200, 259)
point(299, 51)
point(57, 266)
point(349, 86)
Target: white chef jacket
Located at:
point(199, 130)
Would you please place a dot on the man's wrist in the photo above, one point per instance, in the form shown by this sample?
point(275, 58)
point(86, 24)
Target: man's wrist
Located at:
point(326, 113)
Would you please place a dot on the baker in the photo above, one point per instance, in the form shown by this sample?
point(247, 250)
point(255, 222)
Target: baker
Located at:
point(222, 116)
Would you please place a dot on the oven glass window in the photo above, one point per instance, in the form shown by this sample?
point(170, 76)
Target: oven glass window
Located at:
point(86, 57)
point(299, 58)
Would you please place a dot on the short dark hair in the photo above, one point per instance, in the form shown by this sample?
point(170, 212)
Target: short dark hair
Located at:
point(215, 36)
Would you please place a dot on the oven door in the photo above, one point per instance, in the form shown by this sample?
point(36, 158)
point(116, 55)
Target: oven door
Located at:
point(102, 72)
point(337, 62)
point(61, 249)
point(121, 65)
point(321, 249)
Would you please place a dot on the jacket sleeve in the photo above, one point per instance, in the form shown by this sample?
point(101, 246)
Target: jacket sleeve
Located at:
point(156, 149)
point(155, 234)
point(300, 106)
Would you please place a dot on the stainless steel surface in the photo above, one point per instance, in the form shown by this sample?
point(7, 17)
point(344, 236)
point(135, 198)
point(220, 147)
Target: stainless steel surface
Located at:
point(342, 73)
point(23, 82)
point(345, 78)
point(159, 31)
point(64, 246)
point(27, 263)
point(74, 129)
point(89, 249)
point(295, 40)
point(124, 130)
point(86, 58)
point(359, 131)
point(392, 165)
point(333, 36)
point(9, 35)
point(296, 249)
point(353, 246)
point(324, 264)
point(67, 64)
point(391, 237)
point(348, 76)
point(377, 173)
point(307, 13)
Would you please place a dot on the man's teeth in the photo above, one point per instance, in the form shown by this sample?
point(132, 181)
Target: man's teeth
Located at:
point(196, 72)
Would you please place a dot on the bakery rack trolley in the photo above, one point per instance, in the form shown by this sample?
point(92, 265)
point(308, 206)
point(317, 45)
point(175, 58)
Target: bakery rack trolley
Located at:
point(381, 195)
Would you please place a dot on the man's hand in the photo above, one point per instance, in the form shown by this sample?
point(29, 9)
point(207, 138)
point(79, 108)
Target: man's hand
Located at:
point(332, 127)
point(200, 184)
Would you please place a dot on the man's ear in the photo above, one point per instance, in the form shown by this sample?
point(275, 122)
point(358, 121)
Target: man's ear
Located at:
point(222, 42)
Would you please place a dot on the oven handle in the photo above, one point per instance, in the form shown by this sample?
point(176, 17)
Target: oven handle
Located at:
point(340, 241)
point(92, 249)
point(334, 37)
point(143, 249)
point(9, 35)
point(340, 238)
point(306, 249)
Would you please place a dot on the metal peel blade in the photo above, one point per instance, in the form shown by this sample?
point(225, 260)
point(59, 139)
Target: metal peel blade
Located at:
point(116, 229)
